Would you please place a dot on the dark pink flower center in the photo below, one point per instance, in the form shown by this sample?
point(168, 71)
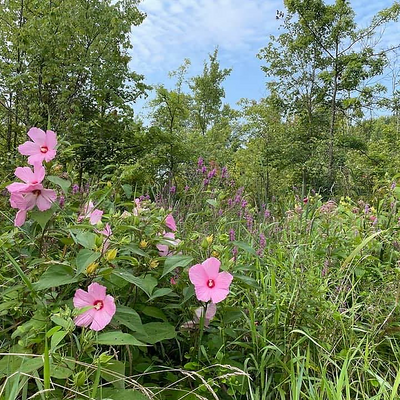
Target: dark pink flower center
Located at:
point(44, 149)
point(211, 283)
point(36, 192)
point(98, 305)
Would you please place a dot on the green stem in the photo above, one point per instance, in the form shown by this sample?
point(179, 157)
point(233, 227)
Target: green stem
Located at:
point(46, 367)
point(96, 380)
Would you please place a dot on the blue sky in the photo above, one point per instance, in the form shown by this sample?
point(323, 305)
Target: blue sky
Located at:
point(178, 29)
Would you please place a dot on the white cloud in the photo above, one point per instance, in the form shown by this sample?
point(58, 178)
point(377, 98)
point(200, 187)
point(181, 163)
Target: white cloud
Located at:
point(177, 29)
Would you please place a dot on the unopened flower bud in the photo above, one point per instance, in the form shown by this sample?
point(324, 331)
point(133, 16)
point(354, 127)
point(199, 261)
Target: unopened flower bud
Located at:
point(111, 254)
point(91, 268)
point(153, 264)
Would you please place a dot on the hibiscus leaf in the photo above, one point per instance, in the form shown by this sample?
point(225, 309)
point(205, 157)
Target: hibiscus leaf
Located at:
point(56, 275)
point(173, 262)
point(86, 239)
point(118, 338)
point(63, 183)
point(84, 258)
point(160, 293)
point(156, 332)
point(147, 284)
point(42, 217)
point(130, 318)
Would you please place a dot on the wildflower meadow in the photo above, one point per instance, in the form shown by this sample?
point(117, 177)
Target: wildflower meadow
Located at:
point(204, 251)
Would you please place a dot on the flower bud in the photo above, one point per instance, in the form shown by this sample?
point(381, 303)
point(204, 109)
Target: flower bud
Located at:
point(91, 268)
point(153, 264)
point(111, 254)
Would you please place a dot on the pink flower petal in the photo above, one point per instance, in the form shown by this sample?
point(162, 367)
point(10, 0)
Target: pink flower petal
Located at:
point(162, 250)
point(38, 172)
point(17, 187)
point(203, 293)
point(106, 231)
point(97, 291)
point(218, 294)
point(45, 199)
point(17, 201)
point(83, 299)
point(211, 266)
point(95, 216)
point(50, 155)
point(103, 317)
point(36, 158)
point(170, 222)
point(20, 218)
point(51, 139)
point(37, 135)
point(109, 305)
point(89, 207)
point(223, 280)
point(85, 319)
point(25, 174)
point(198, 276)
point(169, 235)
point(211, 311)
point(30, 201)
point(29, 148)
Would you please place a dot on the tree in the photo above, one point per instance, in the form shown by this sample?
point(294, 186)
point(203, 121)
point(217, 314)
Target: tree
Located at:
point(65, 62)
point(331, 61)
point(208, 93)
point(170, 119)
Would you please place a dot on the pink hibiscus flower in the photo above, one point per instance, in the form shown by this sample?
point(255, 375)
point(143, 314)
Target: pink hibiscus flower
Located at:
point(36, 196)
point(42, 148)
point(90, 212)
point(163, 249)
point(102, 307)
point(170, 222)
point(25, 196)
point(28, 176)
point(209, 283)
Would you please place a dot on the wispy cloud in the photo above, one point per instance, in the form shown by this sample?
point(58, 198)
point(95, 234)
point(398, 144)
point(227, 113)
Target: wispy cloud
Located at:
point(177, 29)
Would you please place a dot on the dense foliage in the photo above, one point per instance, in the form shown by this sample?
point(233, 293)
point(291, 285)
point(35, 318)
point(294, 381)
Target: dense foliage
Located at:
point(209, 252)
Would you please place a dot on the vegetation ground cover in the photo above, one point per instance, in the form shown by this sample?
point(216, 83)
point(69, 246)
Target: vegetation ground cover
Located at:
point(215, 254)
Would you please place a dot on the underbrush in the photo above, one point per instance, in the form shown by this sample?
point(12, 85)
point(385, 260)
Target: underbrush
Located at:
point(312, 311)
